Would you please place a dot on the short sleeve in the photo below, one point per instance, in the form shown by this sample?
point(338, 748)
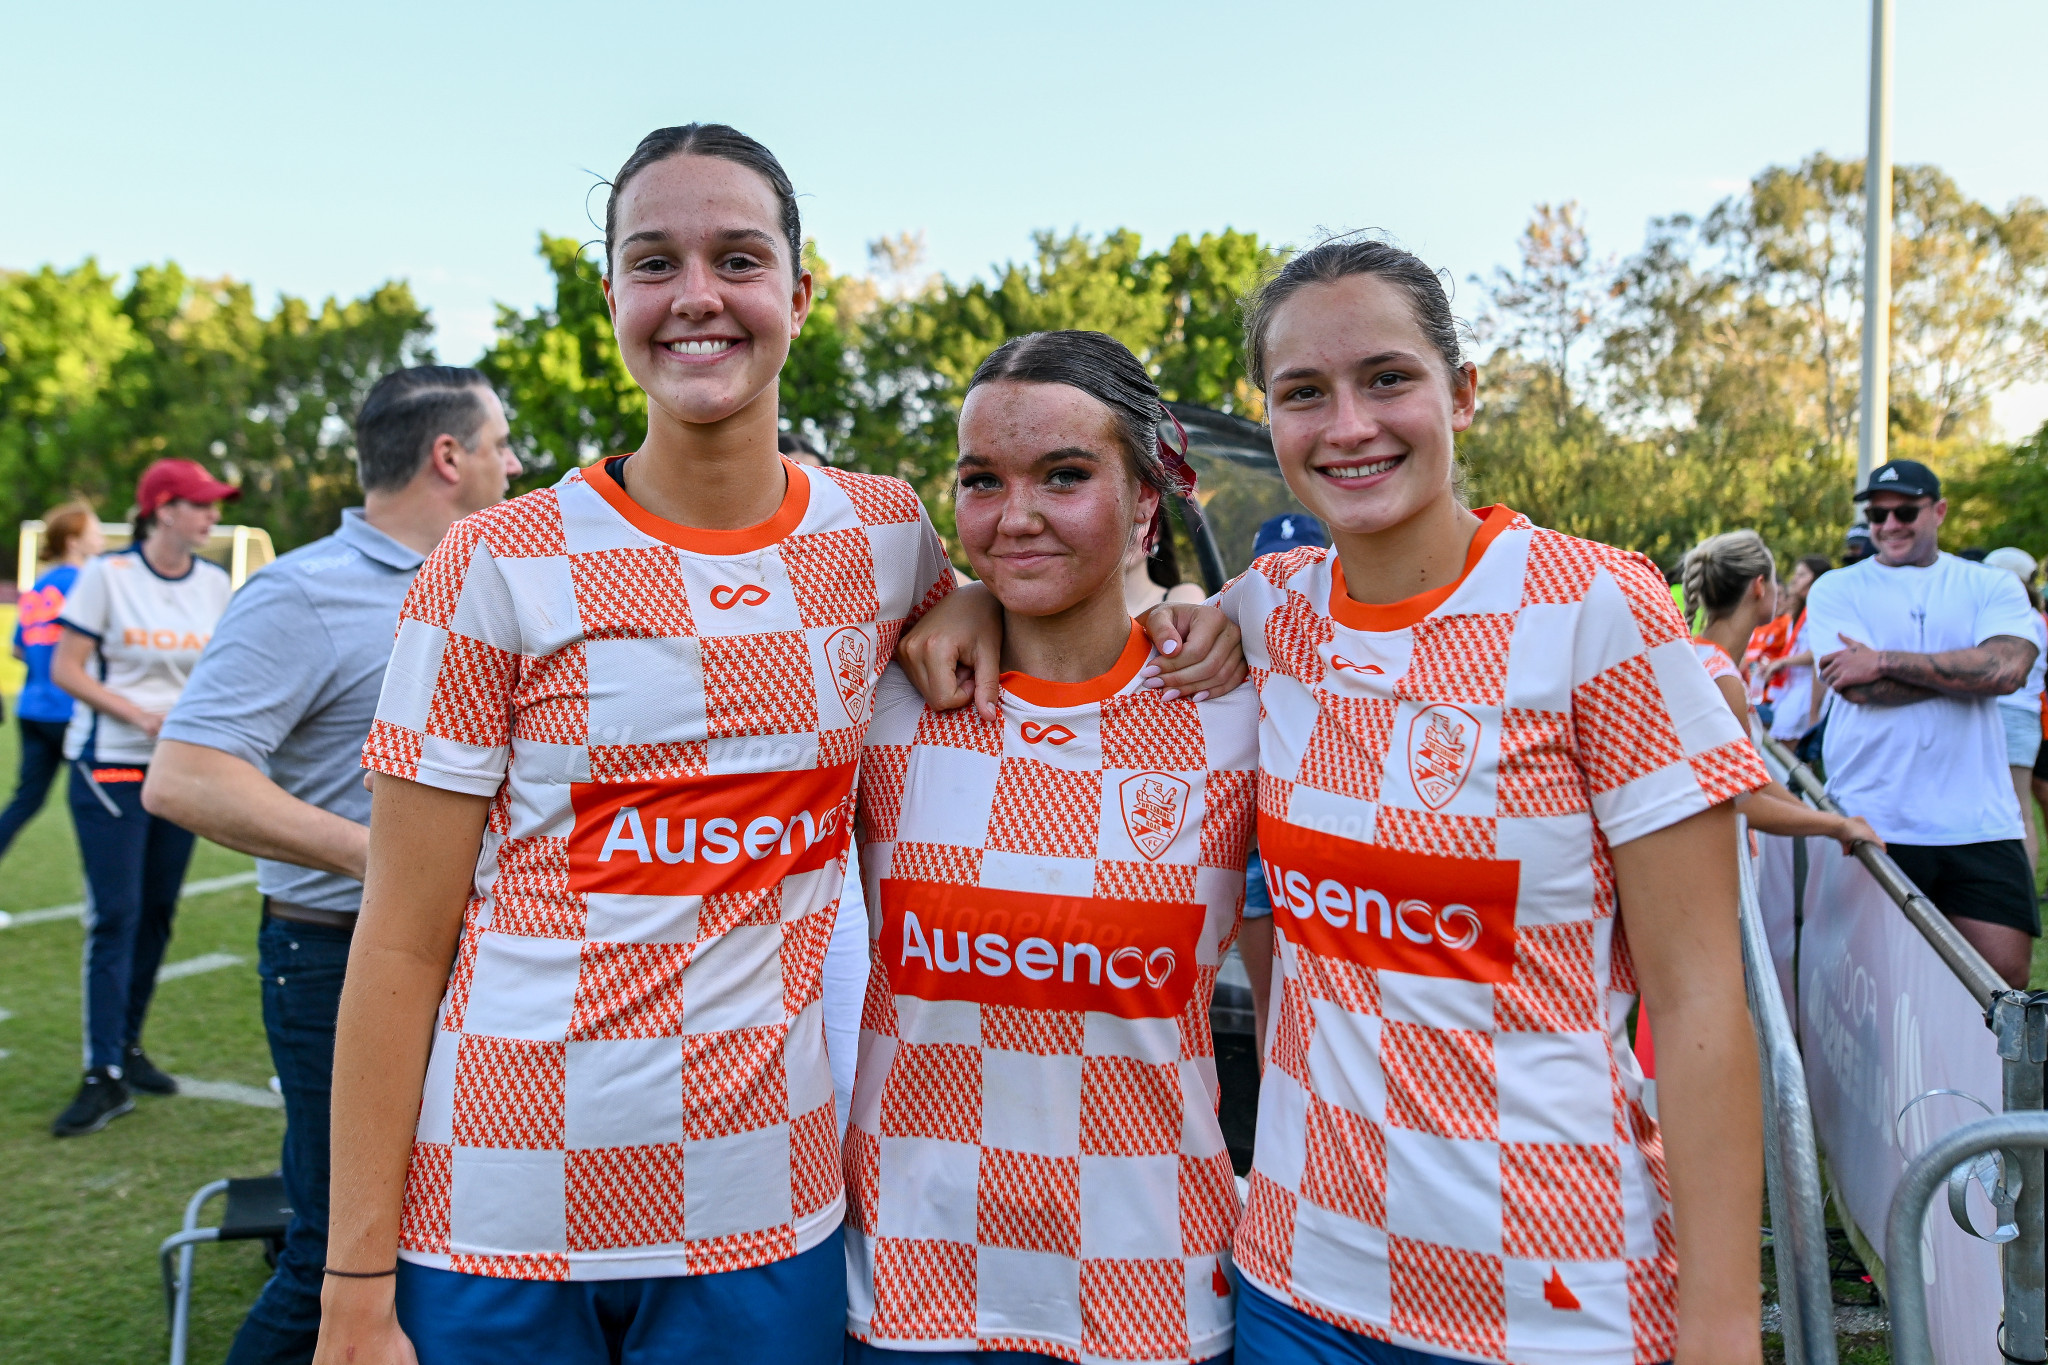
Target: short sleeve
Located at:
point(444, 718)
point(1656, 742)
point(1830, 615)
point(2004, 610)
point(86, 605)
point(266, 667)
point(934, 570)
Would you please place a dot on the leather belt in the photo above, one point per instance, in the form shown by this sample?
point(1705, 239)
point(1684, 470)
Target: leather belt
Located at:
point(293, 913)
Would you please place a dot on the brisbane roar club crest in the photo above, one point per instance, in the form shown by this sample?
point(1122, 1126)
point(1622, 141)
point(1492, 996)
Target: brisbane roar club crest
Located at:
point(850, 657)
point(1443, 743)
point(1155, 805)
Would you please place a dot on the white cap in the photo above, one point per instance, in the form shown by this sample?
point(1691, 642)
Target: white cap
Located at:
point(2013, 560)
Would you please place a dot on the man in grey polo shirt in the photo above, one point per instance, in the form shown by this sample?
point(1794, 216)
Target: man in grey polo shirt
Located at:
point(264, 753)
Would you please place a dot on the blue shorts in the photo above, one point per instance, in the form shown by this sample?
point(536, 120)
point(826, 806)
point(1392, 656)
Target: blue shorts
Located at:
point(789, 1312)
point(860, 1353)
point(1269, 1330)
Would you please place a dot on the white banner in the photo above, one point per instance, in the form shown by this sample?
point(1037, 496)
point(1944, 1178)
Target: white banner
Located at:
point(1882, 1021)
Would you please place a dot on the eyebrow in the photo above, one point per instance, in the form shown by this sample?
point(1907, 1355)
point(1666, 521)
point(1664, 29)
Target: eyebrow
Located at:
point(1050, 457)
point(753, 235)
point(1365, 363)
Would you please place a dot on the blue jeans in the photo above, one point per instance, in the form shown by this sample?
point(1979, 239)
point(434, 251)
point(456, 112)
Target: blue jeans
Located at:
point(134, 866)
point(42, 753)
point(302, 967)
point(790, 1312)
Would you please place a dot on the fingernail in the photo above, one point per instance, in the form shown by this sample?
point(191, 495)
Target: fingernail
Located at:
point(1201, 696)
point(1173, 694)
point(1169, 647)
point(1149, 671)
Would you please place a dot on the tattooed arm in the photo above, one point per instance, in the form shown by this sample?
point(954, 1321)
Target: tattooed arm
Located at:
point(1891, 677)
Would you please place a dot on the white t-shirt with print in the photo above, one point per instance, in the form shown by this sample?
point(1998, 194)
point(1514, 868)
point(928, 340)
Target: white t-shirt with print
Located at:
point(1932, 772)
point(148, 632)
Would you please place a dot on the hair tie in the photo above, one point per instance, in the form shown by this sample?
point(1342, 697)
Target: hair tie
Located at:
point(1176, 461)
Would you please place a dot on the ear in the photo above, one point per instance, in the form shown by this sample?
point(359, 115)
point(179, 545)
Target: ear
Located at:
point(800, 303)
point(1940, 510)
point(1465, 398)
point(442, 462)
point(611, 304)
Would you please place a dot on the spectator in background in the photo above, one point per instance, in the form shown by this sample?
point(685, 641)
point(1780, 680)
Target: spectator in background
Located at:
point(2021, 710)
point(71, 536)
point(1918, 645)
point(264, 754)
point(1859, 545)
point(1788, 679)
point(134, 625)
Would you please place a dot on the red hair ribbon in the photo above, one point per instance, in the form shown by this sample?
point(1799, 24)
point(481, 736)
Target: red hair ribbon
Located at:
point(1177, 460)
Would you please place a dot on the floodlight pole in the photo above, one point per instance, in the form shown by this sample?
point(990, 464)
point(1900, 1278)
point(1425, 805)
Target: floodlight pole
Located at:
point(1877, 251)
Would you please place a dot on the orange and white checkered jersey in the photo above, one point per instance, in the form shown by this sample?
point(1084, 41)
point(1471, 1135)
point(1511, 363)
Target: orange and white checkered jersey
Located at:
point(1715, 660)
point(628, 1073)
point(1034, 1161)
point(1452, 1151)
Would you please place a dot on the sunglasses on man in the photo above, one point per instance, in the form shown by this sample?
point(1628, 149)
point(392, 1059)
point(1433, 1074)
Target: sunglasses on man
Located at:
point(1905, 513)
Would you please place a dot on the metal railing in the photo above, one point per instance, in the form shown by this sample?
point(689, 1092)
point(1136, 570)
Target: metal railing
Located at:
point(1904, 1262)
point(2019, 1021)
point(1799, 1229)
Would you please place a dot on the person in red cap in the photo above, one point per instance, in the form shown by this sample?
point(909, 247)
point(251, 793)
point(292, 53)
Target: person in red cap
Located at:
point(134, 625)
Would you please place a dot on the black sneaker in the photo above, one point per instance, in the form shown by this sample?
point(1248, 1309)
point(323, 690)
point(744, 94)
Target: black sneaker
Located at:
point(142, 1074)
point(101, 1096)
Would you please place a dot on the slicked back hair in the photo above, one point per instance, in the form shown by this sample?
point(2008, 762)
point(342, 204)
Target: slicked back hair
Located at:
point(1354, 254)
point(708, 139)
point(1103, 368)
point(407, 412)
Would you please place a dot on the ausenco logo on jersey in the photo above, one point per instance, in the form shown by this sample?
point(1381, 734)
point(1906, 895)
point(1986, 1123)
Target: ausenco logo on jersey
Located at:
point(1405, 912)
point(1134, 959)
point(702, 836)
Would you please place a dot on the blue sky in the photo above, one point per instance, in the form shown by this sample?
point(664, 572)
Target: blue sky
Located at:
point(323, 149)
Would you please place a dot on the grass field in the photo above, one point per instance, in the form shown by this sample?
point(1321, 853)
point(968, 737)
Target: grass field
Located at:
point(82, 1217)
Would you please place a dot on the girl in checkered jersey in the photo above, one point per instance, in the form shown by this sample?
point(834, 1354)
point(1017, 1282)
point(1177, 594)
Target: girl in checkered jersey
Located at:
point(1034, 1163)
point(1495, 793)
point(581, 1099)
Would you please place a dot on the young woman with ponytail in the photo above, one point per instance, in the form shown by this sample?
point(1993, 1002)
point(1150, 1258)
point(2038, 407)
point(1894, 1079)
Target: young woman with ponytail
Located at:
point(1034, 1164)
point(1731, 580)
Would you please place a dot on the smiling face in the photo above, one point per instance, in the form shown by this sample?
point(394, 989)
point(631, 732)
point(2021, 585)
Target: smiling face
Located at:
point(1900, 542)
point(1047, 504)
point(1362, 407)
point(704, 297)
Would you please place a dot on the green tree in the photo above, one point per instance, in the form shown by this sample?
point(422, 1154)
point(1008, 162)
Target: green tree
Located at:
point(97, 382)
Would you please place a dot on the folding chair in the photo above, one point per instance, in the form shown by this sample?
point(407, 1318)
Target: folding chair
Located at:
point(256, 1209)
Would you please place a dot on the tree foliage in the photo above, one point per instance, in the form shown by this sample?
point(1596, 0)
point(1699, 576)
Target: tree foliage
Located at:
point(1706, 381)
point(97, 381)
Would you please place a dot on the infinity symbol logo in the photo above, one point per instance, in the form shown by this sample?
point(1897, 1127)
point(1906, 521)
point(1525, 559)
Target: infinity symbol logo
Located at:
point(1339, 661)
point(1054, 735)
point(725, 598)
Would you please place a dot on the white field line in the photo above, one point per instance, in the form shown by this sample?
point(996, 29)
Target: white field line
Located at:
point(76, 910)
point(195, 966)
point(232, 1092)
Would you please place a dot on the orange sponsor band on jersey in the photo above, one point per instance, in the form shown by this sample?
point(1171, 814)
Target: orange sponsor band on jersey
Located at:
point(1132, 959)
point(705, 836)
point(105, 775)
point(1384, 908)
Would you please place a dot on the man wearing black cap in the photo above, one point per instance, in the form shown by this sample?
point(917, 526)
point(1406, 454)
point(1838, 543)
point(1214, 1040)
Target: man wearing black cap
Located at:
point(1918, 645)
